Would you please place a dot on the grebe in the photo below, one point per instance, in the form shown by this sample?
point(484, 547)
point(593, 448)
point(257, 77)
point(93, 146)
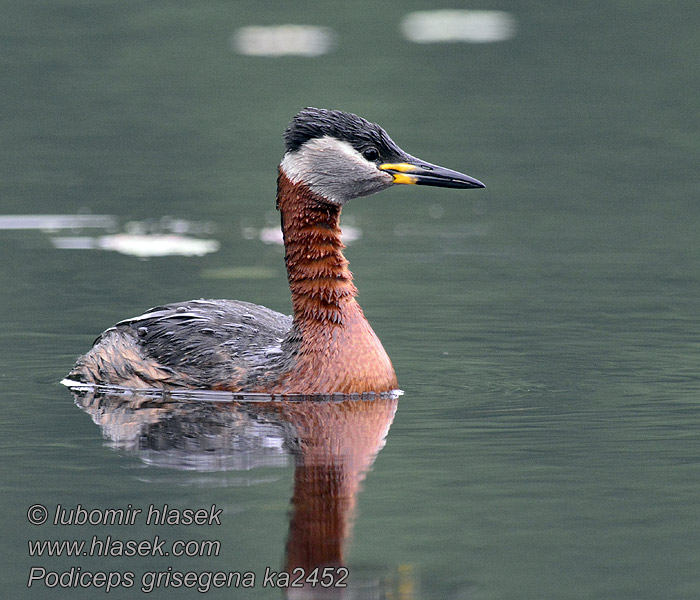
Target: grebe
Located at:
point(327, 345)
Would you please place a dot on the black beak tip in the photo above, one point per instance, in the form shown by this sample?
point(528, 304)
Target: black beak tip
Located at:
point(451, 180)
point(474, 184)
point(441, 177)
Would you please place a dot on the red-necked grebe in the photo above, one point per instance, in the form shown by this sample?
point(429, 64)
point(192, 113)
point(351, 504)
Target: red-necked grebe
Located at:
point(327, 345)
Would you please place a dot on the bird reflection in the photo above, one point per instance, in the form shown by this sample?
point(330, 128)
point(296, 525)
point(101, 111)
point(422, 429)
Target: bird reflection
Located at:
point(332, 442)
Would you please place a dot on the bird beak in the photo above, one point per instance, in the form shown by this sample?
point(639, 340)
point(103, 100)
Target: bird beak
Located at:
point(417, 172)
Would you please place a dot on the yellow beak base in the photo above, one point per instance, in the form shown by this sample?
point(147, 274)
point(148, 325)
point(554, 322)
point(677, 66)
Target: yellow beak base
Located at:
point(399, 172)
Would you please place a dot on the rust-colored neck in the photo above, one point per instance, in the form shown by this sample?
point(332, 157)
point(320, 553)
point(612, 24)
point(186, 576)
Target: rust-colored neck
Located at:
point(335, 349)
point(319, 279)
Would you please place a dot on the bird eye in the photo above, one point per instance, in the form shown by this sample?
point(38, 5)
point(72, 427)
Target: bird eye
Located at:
point(371, 154)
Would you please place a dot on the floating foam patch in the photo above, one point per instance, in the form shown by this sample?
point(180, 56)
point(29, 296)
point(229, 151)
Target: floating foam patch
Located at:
point(57, 222)
point(283, 40)
point(472, 26)
point(143, 246)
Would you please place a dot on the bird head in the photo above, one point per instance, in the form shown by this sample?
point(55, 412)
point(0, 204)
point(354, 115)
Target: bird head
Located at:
point(341, 156)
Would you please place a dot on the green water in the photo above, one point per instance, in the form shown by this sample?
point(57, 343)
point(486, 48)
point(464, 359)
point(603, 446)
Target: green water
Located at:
point(545, 330)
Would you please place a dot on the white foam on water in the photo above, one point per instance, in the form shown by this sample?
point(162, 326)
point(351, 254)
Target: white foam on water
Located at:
point(472, 26)
point(283, 40)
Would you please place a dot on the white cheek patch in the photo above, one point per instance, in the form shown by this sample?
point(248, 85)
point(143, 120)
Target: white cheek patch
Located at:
point(334, 169)
point(304, 163)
